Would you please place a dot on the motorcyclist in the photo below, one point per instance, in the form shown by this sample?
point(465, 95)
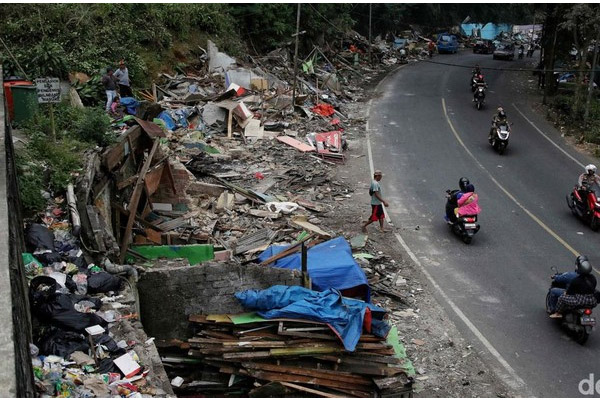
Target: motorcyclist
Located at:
point(478, 81)
point(586, 181)
point(499, 117)
point(573, 289)
point(476, 70)
point(455, 195)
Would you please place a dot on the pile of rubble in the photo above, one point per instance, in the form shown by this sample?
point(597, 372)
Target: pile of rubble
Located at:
point(214, 164)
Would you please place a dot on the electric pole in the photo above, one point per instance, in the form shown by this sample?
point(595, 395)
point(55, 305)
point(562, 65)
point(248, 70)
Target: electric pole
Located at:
point(296, 58)
point(370, 63)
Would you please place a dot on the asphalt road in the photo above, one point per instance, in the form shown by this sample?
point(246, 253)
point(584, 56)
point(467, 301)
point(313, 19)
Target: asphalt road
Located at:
point(499, 281)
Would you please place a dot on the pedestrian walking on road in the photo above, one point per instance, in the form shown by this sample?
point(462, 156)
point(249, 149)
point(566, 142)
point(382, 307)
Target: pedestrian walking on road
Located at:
point(110, 85)
point(377, 203)
point(122, 75)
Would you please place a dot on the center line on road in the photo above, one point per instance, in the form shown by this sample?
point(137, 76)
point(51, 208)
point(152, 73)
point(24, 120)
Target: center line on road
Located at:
point(548, 138)
point(512, 379)
point(510, 196)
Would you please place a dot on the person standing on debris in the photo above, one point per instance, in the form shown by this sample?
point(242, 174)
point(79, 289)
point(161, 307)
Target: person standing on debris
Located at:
point(110, 85)
point(122, 75)
point(377, 203)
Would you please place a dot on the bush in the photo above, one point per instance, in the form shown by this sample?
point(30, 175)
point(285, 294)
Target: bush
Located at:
point(563, 104)
point(30, 179)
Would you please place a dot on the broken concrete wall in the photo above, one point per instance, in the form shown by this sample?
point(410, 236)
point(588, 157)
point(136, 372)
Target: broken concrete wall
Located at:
point(16, 374)
point(170, 294)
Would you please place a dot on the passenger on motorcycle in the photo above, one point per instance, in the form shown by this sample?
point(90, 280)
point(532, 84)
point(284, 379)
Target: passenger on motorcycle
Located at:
point(499, 117)
point(578, 288)
point(586, 181)
point(454, 198)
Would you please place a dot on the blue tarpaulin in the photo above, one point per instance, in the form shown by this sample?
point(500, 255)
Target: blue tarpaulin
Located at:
point(130, 104)
point(345, 316)
point(485, 31)
point(330, 265)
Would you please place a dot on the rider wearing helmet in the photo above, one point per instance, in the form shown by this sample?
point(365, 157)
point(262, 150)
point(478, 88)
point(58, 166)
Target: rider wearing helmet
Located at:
point(573, 289)
point(453, 197)
point(476, 70)
point(499, 117)
point(586, 181)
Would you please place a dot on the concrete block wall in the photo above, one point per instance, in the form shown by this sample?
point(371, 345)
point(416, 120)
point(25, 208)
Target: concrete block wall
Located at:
point(169, 295)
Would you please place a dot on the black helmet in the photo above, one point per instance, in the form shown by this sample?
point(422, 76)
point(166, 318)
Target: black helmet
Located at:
point(463, 183)
point(582, 265)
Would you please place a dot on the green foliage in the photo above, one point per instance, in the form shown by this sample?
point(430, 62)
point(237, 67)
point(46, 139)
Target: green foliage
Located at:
point(30, 178)
point(46, 163)
point(563, 104)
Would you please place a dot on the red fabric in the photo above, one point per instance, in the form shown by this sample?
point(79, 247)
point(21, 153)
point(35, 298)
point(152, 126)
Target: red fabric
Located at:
point(323, 109)
point(367, 320)
point(376, 212)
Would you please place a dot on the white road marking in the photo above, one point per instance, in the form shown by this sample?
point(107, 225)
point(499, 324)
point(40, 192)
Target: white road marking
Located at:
point(512, 379)
point(548, 138)
point(510, 196)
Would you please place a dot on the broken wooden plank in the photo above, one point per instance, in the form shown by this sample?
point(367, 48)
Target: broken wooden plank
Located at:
point(317, 373)
point(290, 250)
point(280, 377)
point(128, 144)
point(302, 222)
point(137, 217)
point(298, 145)
point(134, 200)
point(392, 382)
point(264, 214)
point(309, 390)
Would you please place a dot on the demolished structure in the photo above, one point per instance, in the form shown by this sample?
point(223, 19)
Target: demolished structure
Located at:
point(214, 193)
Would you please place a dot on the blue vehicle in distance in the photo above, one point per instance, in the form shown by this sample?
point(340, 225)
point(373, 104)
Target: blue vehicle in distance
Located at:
point(447, 43)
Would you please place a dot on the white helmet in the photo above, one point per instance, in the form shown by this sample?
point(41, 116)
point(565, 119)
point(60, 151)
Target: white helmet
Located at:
point(590, 169)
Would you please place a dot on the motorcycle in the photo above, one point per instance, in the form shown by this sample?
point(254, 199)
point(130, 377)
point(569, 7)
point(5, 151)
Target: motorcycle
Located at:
point(466, 226)
point(479, 96)
point(499, 137)
point(578, 321)
point(473, 83)
point(590, 214)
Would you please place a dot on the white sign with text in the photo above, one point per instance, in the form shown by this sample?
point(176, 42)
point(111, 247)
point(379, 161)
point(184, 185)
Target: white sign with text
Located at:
point(48, 90)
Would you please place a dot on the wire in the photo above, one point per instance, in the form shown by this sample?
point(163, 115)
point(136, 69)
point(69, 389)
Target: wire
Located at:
point(505, 69)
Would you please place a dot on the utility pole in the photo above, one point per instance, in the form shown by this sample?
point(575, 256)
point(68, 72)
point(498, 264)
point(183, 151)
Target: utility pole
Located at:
point(370, 63)
point(296, 58)
point(586, 114)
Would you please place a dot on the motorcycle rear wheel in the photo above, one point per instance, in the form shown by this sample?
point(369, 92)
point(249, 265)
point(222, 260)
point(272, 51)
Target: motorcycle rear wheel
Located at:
point(467, 239)
point(582, 336)
point(594, 224)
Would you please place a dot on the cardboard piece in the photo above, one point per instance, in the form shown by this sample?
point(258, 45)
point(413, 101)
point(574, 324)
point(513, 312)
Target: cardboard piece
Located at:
point(94, 330)
point(253, 129)
point(259, 84)
point(242, 111)
point(128, 366)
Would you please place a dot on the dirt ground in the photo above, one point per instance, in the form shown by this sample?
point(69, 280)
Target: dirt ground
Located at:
point(447, 365)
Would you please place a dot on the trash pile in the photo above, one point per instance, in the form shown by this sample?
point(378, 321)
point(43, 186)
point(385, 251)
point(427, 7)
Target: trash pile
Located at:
point(291, 344)
point(214, 164)
point(86, 340)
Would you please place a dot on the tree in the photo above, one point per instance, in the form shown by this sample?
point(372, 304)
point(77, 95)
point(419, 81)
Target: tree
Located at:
point(583, 21)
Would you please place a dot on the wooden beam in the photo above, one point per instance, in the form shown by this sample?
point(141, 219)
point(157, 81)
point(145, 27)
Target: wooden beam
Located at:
point(290, 250)
point(317, 373)
point(137, 217)
point(309, 390)
point(135, 198)
point(229, 124)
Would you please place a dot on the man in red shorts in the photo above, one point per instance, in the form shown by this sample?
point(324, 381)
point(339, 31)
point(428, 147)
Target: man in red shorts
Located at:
point(377, 203)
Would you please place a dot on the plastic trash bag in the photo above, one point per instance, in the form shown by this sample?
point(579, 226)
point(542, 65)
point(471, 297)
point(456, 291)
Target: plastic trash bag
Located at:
point(103, 282)
point(62, 343)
